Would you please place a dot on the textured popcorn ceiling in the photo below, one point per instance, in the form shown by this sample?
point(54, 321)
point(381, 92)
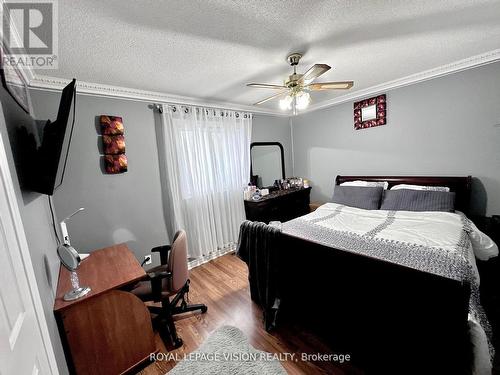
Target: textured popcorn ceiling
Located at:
point(210, 49)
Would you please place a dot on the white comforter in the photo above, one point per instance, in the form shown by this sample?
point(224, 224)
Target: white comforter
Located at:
point(433, 229)
point(440, 230)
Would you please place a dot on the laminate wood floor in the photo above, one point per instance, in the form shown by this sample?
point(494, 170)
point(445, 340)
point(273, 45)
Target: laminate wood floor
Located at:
point(222, 284)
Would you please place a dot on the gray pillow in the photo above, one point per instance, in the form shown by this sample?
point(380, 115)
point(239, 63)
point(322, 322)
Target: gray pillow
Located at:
point(358, 196)
point(418, 200)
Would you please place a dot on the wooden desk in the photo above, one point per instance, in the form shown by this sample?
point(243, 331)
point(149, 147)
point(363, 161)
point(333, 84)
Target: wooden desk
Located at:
point(105, 269)
point(96, 330)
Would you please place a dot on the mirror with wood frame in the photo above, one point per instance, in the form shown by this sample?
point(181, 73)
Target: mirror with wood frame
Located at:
point(267, 163)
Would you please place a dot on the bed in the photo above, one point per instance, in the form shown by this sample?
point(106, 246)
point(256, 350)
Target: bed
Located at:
point(389, 296)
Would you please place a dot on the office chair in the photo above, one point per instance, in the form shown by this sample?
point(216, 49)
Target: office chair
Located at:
point(162, 282)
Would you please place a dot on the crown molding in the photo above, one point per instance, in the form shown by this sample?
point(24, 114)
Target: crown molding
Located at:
point(42, 82)
point(454, 67)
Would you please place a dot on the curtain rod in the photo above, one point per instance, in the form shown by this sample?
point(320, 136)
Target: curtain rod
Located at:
point(159, 107)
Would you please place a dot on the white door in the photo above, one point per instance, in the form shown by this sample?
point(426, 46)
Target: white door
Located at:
point(25, 347)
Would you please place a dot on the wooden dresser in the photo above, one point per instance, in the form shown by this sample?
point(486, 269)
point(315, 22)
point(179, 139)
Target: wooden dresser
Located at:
point(108, 331)
point(280, 205)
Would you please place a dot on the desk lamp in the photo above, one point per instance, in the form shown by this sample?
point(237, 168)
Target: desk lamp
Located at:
point(71, 260)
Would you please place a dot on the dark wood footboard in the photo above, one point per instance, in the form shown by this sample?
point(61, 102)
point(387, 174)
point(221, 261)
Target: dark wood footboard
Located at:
point(389, 318)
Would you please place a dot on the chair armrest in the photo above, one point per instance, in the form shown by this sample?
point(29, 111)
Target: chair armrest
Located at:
point(158, 249)
point(156, 275)
point(163, 250)
point(158, 272)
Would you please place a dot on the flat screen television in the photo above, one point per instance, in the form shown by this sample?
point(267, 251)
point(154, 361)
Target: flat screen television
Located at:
point(41, 157)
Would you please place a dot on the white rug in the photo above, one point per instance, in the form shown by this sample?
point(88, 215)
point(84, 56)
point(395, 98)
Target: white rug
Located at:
point(227, 352)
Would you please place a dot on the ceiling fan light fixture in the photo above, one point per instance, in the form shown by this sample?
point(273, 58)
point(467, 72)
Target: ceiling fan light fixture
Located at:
point(297, 86)
point(286, 103)
point(302, 100)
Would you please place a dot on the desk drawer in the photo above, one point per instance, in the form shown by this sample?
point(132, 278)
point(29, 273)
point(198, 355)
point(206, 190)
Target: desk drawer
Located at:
point(96, 333)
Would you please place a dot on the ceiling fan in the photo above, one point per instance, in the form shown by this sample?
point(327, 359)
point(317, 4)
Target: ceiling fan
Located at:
point(297, 86)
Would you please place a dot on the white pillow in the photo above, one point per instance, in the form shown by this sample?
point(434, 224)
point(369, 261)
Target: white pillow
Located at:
point(483, 246)
point(420, 187)
point(384, 184)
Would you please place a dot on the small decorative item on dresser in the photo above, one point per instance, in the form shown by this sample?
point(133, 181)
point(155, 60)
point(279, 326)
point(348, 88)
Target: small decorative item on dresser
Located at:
point(370, 112)
point(115, 160)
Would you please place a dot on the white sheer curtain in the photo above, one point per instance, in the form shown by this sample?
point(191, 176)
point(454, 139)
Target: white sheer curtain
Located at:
point(205, 165)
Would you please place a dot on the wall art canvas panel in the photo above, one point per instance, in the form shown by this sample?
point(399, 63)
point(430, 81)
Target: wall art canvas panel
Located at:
point(113, 144)
point(111, 125)
point(115, 163)
point(113, 141)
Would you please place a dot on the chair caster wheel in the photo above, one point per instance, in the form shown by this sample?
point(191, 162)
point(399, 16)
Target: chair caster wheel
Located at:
point(204, 309)
point(178, 343)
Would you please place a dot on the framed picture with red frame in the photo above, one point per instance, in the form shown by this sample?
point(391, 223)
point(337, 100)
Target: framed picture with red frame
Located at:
point(371, 112)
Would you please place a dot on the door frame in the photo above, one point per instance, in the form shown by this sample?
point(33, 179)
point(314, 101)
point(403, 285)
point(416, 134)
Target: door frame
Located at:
point(15, 215)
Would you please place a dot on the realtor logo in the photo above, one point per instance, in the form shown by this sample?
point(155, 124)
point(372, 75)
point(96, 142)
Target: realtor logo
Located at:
point(30, 34)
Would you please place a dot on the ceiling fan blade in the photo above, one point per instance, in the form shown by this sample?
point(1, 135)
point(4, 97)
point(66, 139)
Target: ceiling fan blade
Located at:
point(266, 86)
point(272, 97)
point(314, 72)
point(345, 85)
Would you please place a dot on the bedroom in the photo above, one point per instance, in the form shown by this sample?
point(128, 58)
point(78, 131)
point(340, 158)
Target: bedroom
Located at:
point(152, 78)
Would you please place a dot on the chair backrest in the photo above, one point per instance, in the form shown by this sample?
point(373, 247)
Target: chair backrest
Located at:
point(178, 261)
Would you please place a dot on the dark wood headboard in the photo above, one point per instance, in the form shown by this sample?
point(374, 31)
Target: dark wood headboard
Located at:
point(460, 185)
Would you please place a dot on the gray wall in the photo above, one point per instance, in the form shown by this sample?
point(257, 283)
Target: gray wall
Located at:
point(445, 126)
point(36, 219)
point(274, 129)
point(118, 208)
point(125, 207)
